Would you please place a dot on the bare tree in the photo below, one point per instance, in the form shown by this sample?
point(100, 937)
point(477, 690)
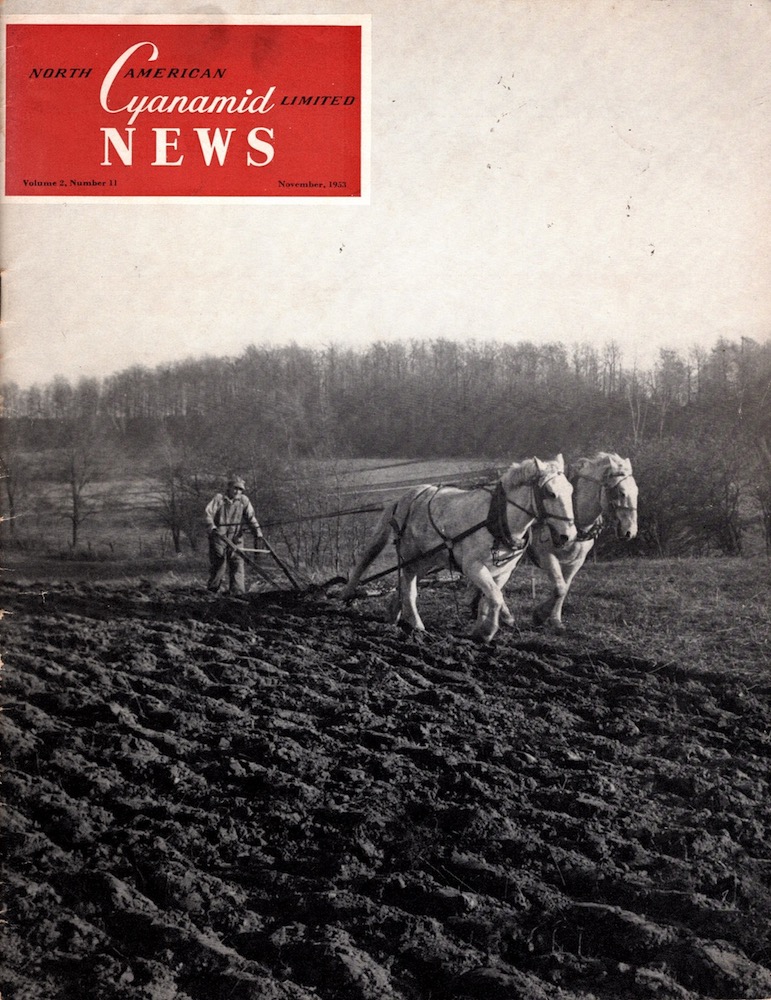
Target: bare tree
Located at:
point(83, 459)
point(15, 475)
point(12, 477)
point(180, 498)
point(638, 400)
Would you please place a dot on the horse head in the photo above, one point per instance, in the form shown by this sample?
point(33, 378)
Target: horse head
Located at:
point(620, 493)
point(606, 487)
point(552, 495)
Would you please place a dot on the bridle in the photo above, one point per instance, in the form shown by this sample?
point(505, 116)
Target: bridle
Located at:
point(537, 486)
point(609, 498)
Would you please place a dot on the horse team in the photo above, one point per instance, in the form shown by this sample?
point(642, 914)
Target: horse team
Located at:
point(541, 509)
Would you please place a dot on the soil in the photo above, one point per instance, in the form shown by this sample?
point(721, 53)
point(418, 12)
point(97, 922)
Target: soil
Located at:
point(278, 797)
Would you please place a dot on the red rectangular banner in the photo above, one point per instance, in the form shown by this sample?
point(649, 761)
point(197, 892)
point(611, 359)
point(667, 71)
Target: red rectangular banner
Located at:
point(268, 110)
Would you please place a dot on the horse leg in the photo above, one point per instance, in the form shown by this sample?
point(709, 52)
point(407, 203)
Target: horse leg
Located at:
point(488, 619)
point(561, 576)
point(474, 594)
point(507, 618)
point(490, 603)
point(375, 546)
point(551, 566)
point(409, 600)
point(555, 618)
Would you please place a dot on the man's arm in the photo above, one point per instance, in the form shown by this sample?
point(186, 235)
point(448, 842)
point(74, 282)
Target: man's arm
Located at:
point(251, 518)
point(212, 507)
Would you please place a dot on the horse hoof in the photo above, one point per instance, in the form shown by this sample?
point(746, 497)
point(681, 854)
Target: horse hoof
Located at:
point(482, 635)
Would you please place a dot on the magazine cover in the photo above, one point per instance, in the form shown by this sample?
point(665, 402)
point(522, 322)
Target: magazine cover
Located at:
point(385, 500)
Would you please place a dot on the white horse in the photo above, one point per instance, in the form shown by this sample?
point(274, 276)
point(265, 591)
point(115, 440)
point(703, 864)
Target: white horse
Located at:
point(604, 491)
point(480, 531)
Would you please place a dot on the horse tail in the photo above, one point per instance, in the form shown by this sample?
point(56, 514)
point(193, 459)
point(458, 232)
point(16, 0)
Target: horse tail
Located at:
point(374, 547)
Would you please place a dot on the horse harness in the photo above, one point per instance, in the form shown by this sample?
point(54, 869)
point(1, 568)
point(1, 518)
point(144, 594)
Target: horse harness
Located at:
point(505, 547)
point(609, 496)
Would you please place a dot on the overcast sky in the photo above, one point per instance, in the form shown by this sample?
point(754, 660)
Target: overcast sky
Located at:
point(575, 171)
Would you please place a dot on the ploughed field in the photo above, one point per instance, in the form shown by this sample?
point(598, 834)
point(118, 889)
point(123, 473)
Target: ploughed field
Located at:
point(282, 797)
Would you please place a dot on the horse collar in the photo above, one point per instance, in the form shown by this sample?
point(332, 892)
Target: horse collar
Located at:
point(497, 522)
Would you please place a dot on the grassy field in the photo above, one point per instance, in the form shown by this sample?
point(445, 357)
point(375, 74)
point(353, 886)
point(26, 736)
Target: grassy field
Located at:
point(698, 613)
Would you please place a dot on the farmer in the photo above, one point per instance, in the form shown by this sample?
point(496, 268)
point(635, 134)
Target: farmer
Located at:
point(227, 514)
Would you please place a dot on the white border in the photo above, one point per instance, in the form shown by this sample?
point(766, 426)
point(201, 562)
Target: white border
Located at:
point(364, 21)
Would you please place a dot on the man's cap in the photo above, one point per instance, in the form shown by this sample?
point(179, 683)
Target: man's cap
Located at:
point(237, 482)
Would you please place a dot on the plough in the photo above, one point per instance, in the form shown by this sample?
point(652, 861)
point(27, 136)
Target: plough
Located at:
point(268, 550)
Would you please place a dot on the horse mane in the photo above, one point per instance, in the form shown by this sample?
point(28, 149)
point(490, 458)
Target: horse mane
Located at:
point(519, 473)
point(606, 459)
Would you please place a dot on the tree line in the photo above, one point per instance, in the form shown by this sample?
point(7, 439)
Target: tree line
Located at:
point(697, 425)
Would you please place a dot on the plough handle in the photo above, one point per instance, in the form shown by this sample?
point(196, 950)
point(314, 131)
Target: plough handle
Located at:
point(249, 560)
point(280, 564)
